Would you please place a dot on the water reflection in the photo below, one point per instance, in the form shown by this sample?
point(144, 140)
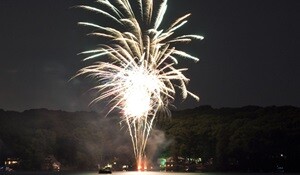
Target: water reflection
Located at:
point(138, 173)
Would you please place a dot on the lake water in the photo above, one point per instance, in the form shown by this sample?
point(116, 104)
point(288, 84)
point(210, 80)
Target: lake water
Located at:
point(139, 173)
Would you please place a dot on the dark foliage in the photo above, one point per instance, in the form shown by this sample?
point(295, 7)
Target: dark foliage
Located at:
point(251, 138)
point(236, 139)
point(79, 140)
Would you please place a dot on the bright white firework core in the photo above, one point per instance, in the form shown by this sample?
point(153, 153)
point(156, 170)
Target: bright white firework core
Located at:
point(140, 86)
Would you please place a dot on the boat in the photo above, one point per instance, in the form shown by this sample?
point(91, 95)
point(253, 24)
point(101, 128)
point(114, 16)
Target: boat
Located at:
point(104, 171)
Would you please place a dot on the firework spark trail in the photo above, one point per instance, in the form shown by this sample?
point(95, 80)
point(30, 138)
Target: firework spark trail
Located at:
point(139, 77)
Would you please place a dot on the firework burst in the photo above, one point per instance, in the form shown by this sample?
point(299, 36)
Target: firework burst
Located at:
point(139, 76)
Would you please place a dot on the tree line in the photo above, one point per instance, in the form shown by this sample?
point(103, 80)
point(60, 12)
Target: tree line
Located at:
point(250, 138)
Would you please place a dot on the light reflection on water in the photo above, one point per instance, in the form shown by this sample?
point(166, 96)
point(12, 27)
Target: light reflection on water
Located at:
point(138, 173)
point(114, 173)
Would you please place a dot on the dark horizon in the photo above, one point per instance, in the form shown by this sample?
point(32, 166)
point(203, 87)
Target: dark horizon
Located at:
point(249, 55)
point(104, 111)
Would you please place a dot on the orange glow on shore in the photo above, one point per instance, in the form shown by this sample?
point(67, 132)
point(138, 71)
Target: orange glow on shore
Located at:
point(142, 164)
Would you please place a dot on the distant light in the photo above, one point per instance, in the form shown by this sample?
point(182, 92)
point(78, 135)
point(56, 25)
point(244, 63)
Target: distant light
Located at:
point(109, 165)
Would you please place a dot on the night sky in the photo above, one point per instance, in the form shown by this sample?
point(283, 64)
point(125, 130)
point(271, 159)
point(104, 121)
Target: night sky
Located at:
point(250, 54)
